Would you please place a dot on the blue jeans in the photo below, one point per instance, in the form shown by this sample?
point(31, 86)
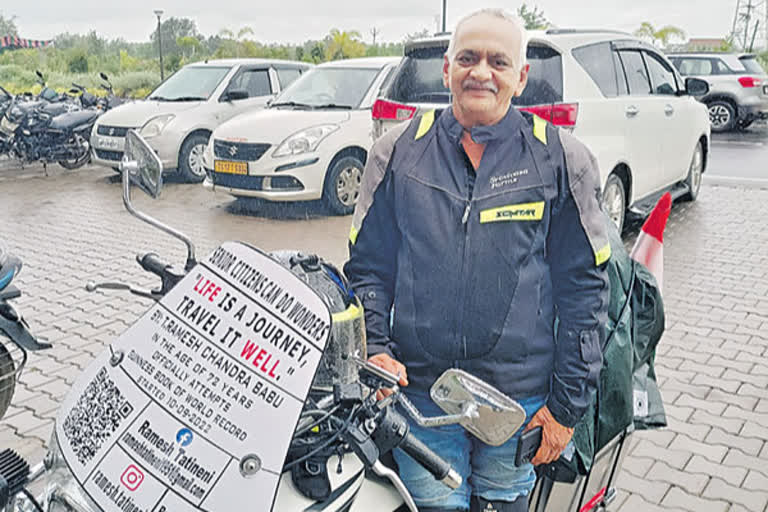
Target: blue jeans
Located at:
point(487, 471)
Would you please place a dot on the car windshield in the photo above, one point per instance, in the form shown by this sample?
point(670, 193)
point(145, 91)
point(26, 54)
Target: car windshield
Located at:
point(191, 83)
point(328, 88)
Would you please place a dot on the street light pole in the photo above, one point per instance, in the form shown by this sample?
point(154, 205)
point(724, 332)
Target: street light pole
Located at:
point(158, 13)
point(444, 8)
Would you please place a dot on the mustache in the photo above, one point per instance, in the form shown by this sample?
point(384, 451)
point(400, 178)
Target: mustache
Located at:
point(471, 83)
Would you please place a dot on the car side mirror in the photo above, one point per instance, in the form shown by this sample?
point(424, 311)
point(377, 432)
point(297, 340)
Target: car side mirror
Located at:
point(237, 94)
point(495, 418)
point(696, 86)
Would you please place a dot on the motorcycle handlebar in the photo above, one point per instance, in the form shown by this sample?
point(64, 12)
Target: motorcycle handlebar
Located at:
point(151, 262)
point(431, 461)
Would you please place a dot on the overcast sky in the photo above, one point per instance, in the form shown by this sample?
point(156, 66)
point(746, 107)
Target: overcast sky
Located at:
point(298, 20)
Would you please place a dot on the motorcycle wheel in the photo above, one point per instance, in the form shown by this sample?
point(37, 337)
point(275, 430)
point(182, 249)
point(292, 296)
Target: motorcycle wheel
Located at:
point(7, 379)
point(82, 160)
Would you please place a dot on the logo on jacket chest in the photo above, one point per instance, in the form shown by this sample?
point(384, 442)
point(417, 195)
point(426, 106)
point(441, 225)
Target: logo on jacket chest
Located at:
point(513, 212)
point(508, 179)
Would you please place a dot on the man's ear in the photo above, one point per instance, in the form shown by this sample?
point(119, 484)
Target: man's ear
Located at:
point(446, 71)
point(523, 80)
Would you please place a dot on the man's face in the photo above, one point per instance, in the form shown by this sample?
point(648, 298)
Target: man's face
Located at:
point(484, 73)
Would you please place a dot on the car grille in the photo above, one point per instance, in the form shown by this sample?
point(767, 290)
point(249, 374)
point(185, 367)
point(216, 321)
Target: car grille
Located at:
point(112, 131)
point(239, 151)
point(236, 181)
point(114, 156)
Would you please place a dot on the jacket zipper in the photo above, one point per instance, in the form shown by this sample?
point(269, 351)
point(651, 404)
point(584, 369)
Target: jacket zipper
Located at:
point(465, 253)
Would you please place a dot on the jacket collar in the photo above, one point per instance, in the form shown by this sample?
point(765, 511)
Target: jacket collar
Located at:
point(481, 134)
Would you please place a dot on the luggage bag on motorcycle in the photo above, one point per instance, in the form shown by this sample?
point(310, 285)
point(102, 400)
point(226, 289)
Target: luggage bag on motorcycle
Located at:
point(628, 397)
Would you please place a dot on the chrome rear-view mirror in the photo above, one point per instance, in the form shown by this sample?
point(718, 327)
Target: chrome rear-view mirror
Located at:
point(493, 416)
point(142, 165)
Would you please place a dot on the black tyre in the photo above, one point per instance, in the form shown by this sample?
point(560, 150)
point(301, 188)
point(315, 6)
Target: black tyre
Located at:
point(82, 159)
point(7, 379)
point(722, 116)
point(342, 185)
point(191, 167)
point(695, 171)
point(615, 200)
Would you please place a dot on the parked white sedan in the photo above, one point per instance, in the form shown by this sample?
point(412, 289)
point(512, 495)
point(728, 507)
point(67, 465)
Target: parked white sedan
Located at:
point(178, 117)
point(311, 143)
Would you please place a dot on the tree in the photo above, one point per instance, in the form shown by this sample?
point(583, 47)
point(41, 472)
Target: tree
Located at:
point(533, 19)
point(8, 26)
point(235, 43)
point(189, 46)
point(344, 45)
point(317, 52)
point(660, 37)
point(172, 29)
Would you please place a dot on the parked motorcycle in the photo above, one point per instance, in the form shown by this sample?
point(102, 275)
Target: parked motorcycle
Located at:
point(247, 382)
point(13, 357)
point(47, 133)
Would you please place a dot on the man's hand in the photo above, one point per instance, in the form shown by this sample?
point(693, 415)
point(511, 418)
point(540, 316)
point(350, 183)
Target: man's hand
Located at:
point(554, 436)
point(394, 367)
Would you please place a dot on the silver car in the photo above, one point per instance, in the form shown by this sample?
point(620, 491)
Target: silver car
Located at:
point(179, 116)
point(738, 87)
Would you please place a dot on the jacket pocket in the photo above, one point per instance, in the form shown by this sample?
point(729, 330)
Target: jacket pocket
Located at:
point(589, 347)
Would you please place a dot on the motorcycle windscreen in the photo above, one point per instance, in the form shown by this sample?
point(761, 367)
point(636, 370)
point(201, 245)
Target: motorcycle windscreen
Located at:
point(194, 406)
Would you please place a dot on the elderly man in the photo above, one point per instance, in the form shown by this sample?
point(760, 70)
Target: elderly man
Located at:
point(478, 243)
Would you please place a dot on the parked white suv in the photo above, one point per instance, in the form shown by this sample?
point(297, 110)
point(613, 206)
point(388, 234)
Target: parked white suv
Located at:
point(619, 95)
point(179, 116)
point(738, 87)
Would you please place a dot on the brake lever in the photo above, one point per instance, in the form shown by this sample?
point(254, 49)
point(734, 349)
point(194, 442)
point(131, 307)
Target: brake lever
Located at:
point(92, 286)
point(391, 380)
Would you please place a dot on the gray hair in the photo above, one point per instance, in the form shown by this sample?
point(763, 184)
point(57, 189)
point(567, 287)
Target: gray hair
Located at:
point(497, 13)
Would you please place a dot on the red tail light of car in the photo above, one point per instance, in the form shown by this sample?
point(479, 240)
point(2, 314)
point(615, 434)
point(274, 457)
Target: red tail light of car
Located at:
point(749, 81)
point(391, 111)
point(559, 114)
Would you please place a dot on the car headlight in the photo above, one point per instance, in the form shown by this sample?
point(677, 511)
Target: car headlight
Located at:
point(155, 126)
point(304, 141)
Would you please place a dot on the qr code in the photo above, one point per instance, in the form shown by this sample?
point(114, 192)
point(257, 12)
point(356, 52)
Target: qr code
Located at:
point(95, 417)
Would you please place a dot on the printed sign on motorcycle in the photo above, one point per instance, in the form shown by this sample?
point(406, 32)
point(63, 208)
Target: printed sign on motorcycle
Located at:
point(194, 406)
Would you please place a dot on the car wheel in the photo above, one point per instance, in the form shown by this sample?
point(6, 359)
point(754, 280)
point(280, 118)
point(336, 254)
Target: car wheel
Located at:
point(342, 185)
point(191, 167)
point(7, 379)
point(615, 201)
point(722, 116)
point(695, 170)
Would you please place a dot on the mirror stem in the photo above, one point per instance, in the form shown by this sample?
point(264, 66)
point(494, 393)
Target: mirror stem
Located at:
point(468, 411)
point(191, 261)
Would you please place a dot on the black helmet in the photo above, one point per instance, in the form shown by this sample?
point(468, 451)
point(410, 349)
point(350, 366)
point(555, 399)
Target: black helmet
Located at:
point(347, 322)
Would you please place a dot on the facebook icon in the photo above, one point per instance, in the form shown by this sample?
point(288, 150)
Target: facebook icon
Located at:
point(184, 437)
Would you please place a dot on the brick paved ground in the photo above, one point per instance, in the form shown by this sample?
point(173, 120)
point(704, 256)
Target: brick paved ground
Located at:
point(71, 227)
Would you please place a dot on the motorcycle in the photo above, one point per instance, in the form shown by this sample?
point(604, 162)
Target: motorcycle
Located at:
point(56, 132)
point(14, 357)
point(247, 382)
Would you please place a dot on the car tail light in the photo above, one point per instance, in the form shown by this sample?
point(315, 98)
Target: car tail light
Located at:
point(391, 111)
point(749, 81)
point(559, 114)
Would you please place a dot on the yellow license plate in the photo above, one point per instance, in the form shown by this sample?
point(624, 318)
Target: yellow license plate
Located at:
point(230, 167)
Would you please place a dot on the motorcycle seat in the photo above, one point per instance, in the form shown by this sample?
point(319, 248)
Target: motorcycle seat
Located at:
point(71, 120)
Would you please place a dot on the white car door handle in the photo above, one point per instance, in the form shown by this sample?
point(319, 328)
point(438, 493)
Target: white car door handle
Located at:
point(669, 110)
point(632, 111)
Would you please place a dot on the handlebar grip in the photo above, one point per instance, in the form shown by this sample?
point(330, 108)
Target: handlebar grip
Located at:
point(151, 262)
point(431, 461)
